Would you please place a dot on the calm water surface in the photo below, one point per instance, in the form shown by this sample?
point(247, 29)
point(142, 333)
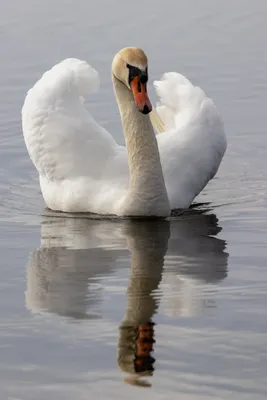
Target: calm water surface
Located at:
point(85, 303)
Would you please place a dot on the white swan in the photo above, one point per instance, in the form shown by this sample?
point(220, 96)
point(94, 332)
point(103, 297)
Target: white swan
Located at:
point(83, 169)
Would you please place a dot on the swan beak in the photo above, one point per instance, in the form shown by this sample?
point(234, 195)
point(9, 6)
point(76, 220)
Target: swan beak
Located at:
point(140, 96)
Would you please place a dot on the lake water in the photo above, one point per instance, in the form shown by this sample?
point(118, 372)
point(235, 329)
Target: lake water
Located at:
point(79, 296)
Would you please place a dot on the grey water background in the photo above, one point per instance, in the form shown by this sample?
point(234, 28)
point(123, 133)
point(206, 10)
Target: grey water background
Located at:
point(73, 291)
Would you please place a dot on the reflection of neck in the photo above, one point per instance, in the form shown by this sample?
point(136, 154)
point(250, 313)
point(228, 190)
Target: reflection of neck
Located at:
point(147, 243)
point(147, 193)
point(148, 246)
point(143, 281)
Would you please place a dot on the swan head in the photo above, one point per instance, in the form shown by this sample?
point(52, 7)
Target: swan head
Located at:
point(130, 67)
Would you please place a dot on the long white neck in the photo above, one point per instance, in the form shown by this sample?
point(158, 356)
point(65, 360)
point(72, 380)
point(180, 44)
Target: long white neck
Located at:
point(147, 193)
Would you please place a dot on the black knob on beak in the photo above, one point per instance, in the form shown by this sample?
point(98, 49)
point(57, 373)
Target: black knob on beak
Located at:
point(143, 78)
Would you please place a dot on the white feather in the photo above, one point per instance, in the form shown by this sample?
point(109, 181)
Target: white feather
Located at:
point(193, 145)
point(80, 165)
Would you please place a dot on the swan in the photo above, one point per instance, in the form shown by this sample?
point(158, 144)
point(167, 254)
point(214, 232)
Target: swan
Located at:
point(82, 168)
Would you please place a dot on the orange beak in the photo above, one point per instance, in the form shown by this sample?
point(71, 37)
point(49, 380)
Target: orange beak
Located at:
point(140, 96)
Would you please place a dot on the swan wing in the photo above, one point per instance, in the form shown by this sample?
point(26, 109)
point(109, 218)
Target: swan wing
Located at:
point(191, 138)
point(80, 165)
point(62, 138)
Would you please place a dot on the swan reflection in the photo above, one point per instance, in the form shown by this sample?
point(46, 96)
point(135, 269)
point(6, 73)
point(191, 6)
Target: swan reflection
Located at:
point(171, 266)
point(148, 244)
point(64, 273)
point(196, 259)
point(193, 253)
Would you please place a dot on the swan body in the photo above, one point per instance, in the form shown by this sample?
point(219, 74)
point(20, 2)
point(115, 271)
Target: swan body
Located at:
point(82, 168)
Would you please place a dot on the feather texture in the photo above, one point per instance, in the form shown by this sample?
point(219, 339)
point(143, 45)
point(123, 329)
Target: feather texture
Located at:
point(83, 169)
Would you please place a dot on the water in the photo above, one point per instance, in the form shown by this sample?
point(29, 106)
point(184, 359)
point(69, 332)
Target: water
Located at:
point(77, 295)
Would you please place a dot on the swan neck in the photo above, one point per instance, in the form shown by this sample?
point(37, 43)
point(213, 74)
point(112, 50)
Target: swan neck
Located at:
point(146, 176)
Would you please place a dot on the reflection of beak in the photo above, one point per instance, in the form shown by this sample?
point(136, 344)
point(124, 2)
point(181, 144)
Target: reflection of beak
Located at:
point(140, 96)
